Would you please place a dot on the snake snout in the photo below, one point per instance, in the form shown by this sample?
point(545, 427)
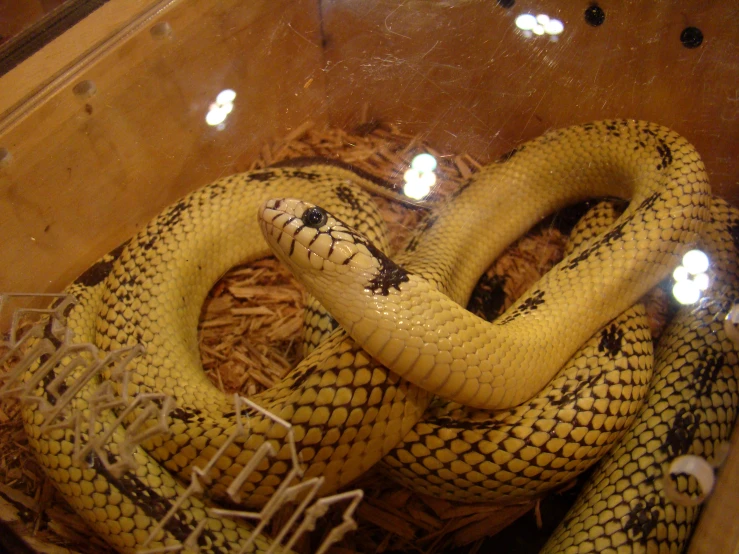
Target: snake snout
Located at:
point(279, 220)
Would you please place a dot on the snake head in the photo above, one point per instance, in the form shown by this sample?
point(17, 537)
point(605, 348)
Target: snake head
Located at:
point(319, 248)
point(348, 275)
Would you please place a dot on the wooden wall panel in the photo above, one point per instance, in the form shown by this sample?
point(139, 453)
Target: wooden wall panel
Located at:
point(85, 173)
point(462, 75)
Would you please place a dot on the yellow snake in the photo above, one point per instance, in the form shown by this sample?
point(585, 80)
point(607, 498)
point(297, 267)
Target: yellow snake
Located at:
point(347, 410)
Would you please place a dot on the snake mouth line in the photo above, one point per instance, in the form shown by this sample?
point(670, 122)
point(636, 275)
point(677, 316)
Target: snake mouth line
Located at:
point(274, 234)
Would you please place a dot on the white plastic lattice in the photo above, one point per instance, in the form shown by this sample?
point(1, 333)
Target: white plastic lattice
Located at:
point(64, 368)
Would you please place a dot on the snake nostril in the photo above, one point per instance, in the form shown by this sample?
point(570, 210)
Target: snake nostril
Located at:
point(314, 217)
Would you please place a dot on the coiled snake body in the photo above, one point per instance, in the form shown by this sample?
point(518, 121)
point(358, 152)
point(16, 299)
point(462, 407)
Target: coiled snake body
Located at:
point(346, 409)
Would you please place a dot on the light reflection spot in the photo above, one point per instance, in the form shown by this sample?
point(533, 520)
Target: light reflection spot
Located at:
point(686, 292)
point(695, 261)
point(226, 96)
point(218, 111)
point(418, 183)
point(731, 324)
point(540, 24)
point(554, 27)
point(424, 162)
point(216, 115)
point(691, 278)
point(526, 22)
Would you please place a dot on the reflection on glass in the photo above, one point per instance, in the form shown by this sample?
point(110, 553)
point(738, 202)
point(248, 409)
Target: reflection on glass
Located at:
point(731, 324)
point(696, 262)
point(424, 162)
point(420, 177)
point(540, 24)
point(226, 96)
point(218, 111)
point(691, 278)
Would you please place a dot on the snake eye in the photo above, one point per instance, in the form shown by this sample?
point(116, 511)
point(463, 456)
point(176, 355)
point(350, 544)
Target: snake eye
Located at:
point(314, 217)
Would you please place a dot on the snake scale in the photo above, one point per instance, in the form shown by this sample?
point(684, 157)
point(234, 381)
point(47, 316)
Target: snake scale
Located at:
point(346, 409)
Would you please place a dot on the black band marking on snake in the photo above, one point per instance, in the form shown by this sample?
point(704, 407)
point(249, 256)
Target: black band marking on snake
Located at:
point(97, 273)
point(531, 304)
point(612, 340)
point(263, 176)
point(346, 195)
point(389, 275)
point(155, 506)
point(734, 232)
point(643, 519)
point(665, 153)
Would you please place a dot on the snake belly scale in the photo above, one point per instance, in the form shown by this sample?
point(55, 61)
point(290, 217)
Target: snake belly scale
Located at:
point(655, 167)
